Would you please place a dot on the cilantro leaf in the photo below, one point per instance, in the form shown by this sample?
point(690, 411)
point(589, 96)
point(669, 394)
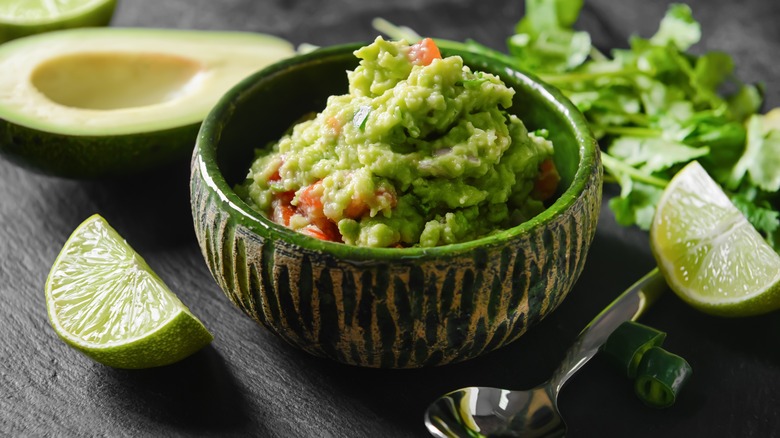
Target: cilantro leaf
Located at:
point(654, 154)
point(636, 203)
point(361, 117)
point(551, 49)
point(655, 107)
point(678, 28)
point(746, 101)
point(545, 14)
point(761, 159)
point(712, 69)
point(755, 205)
point(725, 139)
point(544, 39)
point(763, 218)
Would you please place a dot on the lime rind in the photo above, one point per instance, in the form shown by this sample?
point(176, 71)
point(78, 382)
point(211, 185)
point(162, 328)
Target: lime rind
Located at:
point(42, 12)
point(104, 300)
point(93, 14)
point(710, 255)
point(179, 338)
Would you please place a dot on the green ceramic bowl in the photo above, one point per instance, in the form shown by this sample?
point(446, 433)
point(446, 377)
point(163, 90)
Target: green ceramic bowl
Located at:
point(394, 307)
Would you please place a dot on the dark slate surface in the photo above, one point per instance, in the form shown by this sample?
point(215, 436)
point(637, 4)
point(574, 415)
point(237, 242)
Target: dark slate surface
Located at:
point(248, 383)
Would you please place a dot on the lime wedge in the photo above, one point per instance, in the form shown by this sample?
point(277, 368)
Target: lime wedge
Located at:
point(710, 255)
point(20, 18)
point(105, 301)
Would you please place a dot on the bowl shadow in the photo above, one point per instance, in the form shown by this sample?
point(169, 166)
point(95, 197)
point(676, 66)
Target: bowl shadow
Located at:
point(198, 394)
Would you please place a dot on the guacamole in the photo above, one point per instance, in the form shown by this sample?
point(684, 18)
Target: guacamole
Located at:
point(421, 152)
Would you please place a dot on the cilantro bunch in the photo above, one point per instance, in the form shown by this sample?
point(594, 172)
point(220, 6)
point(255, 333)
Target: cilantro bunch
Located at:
point(654, 107)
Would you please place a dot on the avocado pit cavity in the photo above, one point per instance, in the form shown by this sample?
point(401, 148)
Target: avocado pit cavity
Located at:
point(110, 81)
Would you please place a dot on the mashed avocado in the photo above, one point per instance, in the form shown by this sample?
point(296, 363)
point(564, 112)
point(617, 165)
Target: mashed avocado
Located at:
point(421, 152)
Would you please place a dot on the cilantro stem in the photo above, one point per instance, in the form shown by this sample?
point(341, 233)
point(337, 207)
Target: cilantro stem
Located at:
point(632, 131)
point(395, 32)
point(610, 179)
point(596, 54)
point(613, 166)
point(559, 79)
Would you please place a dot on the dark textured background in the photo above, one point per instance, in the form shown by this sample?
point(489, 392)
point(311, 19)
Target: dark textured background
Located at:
point(248, 383)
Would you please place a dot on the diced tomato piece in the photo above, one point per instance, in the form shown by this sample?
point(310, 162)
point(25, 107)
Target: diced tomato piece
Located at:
point(547, 182)
point(356, 208)
point(335, 124)
point(310, 201)
point(287, 197)
point(330, 233)
point(282, 213)
point(424, 52)
point(310, 206)
point(314, 231)
point(281, 209)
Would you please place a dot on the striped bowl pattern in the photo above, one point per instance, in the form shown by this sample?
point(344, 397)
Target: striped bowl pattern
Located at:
point(400, 314)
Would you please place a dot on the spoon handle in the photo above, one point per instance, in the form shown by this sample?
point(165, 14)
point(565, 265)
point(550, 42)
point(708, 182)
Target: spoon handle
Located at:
point(628, 306)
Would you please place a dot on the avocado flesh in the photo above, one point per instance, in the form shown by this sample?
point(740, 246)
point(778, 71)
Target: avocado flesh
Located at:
point(115, 81)
point(107, 101)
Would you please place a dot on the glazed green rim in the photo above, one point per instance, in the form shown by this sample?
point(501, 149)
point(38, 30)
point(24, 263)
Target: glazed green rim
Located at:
point(215, 121)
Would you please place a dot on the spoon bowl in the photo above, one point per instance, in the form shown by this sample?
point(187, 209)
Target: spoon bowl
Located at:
point(494, 412)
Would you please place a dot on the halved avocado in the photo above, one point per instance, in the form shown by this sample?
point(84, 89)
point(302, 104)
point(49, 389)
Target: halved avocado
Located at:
point(88, 103)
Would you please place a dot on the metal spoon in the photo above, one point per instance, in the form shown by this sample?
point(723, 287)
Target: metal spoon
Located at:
point(493, 412)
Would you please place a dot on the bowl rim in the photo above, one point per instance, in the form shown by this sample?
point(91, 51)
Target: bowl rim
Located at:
point(205, 159)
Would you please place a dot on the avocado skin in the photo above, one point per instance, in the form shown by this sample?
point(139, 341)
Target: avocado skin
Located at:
point(100, 17)
point(94, 157)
